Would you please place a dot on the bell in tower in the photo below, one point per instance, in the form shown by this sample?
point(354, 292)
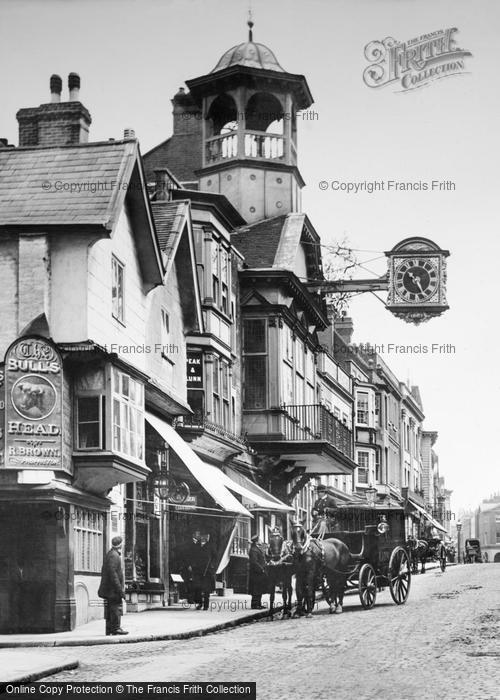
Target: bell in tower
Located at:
point(249, 131)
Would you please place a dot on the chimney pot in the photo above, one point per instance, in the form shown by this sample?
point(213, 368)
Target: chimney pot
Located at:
point(74, 87)
point(55, 88)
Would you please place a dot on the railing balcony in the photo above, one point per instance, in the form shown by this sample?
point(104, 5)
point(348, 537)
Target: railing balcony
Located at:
point(316, 422)
point(256, 144)
point(201, 423)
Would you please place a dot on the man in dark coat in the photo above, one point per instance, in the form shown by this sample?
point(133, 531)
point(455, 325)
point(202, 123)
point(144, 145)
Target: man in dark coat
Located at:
point(189, 556)
point(257, 579)
point(323, 512)
point(203, 567)
point(112, 587)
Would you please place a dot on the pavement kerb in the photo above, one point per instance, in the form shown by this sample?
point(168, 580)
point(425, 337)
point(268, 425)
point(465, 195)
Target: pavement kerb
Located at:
point(36, 675)
point(131, 639)
point(140, 638)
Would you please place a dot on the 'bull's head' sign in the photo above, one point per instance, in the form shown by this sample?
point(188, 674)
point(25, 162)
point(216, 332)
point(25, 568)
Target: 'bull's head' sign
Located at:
point(33, 405)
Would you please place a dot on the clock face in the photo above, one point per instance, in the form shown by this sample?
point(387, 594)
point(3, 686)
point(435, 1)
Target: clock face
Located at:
point(416, 280)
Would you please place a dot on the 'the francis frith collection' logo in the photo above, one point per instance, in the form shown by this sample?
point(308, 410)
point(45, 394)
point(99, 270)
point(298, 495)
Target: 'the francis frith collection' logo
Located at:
point(33, 405)
point(414, 63)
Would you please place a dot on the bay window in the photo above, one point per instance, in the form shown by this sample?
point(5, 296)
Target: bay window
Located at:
point(255, 354)
point(363, 467)
point(128, 415)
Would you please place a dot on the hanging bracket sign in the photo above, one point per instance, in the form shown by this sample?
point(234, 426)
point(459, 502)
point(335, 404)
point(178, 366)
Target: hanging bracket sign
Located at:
point(33, 405)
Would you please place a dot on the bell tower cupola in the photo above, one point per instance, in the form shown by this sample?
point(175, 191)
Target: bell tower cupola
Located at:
point(249, 107)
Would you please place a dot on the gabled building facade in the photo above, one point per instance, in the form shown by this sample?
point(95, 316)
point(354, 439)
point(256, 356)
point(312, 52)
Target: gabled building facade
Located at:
point(106, 290)
point(245, 114)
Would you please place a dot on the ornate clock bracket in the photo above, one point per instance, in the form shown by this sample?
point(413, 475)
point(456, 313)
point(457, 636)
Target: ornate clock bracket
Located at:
point(415, 281)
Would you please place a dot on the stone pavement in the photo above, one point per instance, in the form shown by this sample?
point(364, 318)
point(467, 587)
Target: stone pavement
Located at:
point(181, 621)
point(22, 666)
point(175, 622)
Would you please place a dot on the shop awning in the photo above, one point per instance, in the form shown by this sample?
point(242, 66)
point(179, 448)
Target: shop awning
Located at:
point(254, 497)
point(210, 478)
point(426, 515)
point(435, 524)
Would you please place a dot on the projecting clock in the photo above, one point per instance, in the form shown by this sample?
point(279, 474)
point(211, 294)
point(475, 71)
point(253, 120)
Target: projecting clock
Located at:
point(417, 280)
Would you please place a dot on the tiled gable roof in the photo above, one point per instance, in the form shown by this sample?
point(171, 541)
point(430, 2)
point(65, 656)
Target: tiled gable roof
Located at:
point(169, 218)
point(64, 185)
point(259, 242)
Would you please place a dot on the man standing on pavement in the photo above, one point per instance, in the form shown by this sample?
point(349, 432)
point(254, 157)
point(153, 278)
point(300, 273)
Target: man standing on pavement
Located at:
point(203, 567)
point(190, 556)
point(112, 587)
point(257, 579)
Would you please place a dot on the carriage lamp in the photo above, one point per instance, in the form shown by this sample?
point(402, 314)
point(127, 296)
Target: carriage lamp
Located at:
point(383, 526)
point(161, 479)
point(371, 495)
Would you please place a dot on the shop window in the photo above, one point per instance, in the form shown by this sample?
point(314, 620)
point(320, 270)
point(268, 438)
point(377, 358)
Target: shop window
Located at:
point(117, 289)
point(241, 539)
point(88, 529)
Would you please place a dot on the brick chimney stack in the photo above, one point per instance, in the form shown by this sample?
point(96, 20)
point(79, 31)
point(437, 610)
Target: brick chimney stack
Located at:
point(56, 123)
point(187, 115)
point(344, 326)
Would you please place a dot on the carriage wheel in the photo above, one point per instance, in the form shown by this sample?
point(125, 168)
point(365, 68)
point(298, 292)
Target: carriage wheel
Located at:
point(399, 575)
point(367, 586)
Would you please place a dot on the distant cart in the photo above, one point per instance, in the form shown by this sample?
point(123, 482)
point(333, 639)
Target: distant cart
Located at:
point(472, 553)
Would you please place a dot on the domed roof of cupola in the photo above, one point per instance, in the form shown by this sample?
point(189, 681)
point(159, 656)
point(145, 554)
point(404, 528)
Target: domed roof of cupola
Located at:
point(250, 54)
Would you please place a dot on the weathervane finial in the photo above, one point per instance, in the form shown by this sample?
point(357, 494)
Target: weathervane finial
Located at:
point(250, 24)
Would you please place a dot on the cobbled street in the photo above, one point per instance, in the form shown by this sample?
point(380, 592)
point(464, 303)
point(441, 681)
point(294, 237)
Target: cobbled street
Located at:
point(444, 643)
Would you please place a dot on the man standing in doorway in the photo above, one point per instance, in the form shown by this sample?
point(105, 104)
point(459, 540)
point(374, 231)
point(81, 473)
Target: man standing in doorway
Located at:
point(112, 587)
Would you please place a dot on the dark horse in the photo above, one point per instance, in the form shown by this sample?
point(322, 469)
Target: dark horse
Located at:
point(280, 570)
point(313, 559)
point(425, 550)
point(417, 551)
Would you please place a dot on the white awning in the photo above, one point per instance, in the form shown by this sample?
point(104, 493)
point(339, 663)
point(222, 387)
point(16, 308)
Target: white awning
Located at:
point(211, 478)
point(417, 507)
point(426, 515)
point(435, 524)
point(254, 497)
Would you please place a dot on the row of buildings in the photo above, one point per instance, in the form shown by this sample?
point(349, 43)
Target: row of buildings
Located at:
point(167, 368)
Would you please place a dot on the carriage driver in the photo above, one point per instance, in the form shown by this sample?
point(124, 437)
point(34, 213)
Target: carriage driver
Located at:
point(323, 512)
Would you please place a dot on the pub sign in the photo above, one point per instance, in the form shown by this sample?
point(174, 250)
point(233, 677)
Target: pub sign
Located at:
point(33, 381)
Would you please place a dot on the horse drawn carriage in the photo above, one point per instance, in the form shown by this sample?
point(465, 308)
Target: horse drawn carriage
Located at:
point(472, 551)
point(426, 549)
point(375, 537)
point(365, 552)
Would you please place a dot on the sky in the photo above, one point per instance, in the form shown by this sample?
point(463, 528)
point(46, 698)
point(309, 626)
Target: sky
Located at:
point(132, 56)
